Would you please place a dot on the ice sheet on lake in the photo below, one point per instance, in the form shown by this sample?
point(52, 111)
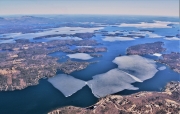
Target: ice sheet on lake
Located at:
point(153, 35)
point(173, 38)
point(136, 34)
point(52, 31)
point(156, 24)
point(130, 69)
point(65, 38)
point(138, 66)
point(67, 84)
point(145, 34)
point(162, 68)
point(157, 54)
point(84, 46)
point(112, 39)
point(82, 56)
point(110, 82)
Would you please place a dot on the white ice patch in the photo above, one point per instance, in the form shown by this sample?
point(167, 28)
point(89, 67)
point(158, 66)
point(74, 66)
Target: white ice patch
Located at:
point(112, 39)
point(114, 32)
point(69, 38)
point(140, 33)
point(173, 38)
point(157, 54)
point(162, 68)
point(137, 66)
point(84, 46)
point(82, 56)
point(130, 69)
point(110, 82)
point(156, 24)
point(53, 31)
point(153, 35)
point(67, 84)
point(145, 34)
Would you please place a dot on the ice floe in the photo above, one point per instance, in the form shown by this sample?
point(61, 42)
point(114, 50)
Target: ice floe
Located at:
point(157, 54)
point(82, 56)
point(112, 39)
point(155, 24)
point(172, 38)
point(67, 84)
point(153, 35)
point(137, 66)
point(162, 68)
point(84, 46)
point(53, 31)
point(130, 69)
point(110, 82)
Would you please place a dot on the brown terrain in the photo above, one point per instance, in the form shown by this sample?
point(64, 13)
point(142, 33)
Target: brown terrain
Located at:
point(80, 35)
point(23, 63)
point(148, 48)
point(166, 102)
point(172, 60)
point(71, 66)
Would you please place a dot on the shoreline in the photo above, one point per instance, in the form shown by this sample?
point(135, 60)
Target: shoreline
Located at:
point(126, 104)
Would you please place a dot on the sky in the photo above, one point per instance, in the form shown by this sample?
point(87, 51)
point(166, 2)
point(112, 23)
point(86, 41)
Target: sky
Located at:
point(120, 7)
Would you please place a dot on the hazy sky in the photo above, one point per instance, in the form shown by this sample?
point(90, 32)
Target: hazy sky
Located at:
point(127, 7)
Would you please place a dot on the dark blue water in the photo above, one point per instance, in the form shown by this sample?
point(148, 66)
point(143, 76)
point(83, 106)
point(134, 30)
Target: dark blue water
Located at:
point(44, 97)
point(157, 83)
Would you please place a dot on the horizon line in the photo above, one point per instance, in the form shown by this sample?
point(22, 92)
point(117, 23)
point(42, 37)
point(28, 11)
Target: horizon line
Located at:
point(93, 14)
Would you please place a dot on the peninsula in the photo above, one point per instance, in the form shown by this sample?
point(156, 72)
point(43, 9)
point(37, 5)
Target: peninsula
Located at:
point(23, 63)
point(164, 102)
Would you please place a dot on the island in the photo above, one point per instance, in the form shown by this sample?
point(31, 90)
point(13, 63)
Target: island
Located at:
point(167, 101)
point(80, 35)
point(147, 48)
point(23, 63)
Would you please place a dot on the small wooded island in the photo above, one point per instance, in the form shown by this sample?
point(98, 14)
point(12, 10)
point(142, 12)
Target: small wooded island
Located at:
point(148, 48)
